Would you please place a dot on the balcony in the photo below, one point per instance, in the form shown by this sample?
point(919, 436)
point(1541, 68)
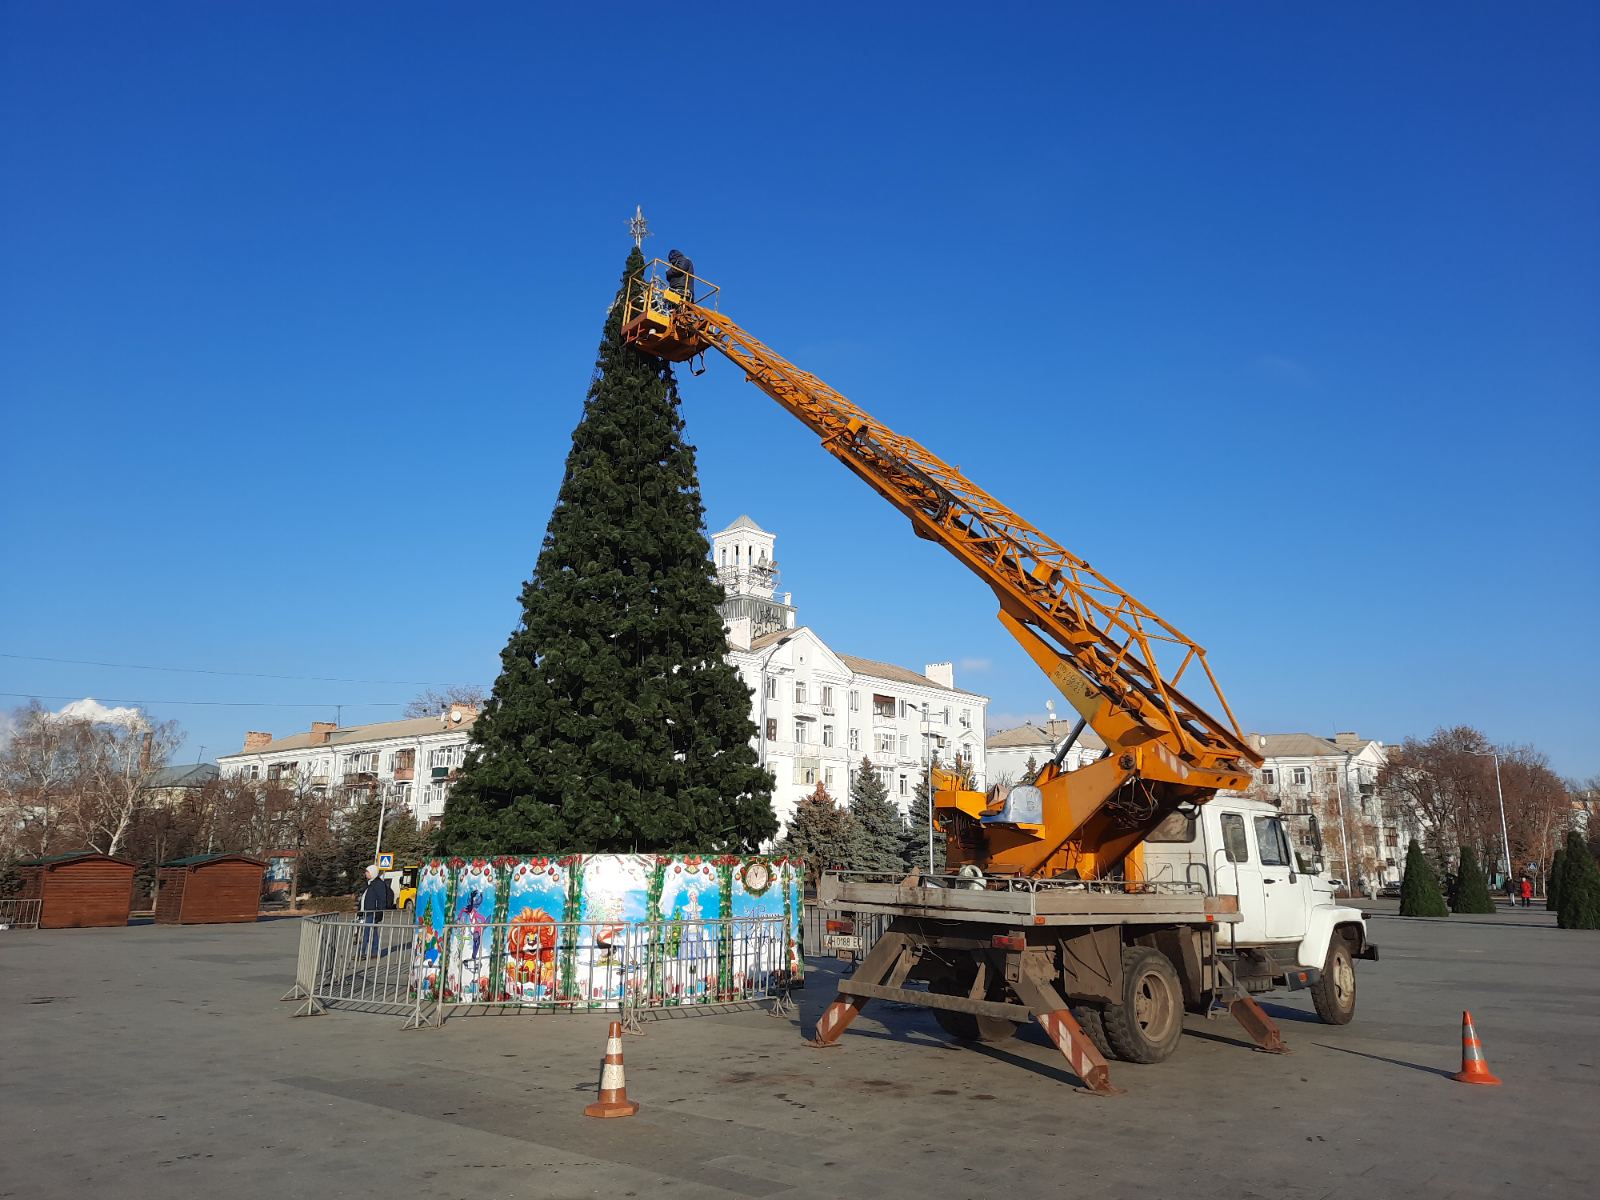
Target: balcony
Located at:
point(404, 773)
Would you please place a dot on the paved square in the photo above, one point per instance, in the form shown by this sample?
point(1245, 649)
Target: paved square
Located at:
point(157, 1062)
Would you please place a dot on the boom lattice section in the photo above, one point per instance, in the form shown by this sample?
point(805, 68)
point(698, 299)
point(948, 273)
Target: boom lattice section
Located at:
point(1098, 631)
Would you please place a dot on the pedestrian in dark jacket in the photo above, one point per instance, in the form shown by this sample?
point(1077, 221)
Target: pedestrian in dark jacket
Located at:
point(680, 273)
point(375, 899)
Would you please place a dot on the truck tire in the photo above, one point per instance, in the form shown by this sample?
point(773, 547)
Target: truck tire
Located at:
point(1146, 1026)
point(968, 1027)
point(1091, 1019)
point(1334, 993)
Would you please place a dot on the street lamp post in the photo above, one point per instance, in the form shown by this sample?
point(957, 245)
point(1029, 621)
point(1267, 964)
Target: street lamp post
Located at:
point(927, 753)
point(1505, 841)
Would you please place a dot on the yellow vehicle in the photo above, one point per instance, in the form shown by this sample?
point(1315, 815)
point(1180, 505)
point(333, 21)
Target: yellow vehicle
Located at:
point(403, 883)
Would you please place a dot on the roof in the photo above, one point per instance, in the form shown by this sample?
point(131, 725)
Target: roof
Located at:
point(195, 860)
point(742, 521)
point(1292, 745)
point(1043, 735)
point(411, 727)
point(883, 670)
point(772, 639)
point(193, 775)
point(55, 860)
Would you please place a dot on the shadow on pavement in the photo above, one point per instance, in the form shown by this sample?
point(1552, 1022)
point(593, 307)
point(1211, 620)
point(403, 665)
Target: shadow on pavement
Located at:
point(1396, 1062)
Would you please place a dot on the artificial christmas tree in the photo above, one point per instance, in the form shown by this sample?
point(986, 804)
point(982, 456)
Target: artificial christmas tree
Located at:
point(616, 723)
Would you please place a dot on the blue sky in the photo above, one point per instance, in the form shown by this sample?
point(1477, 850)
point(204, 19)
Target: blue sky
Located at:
point(1285, 320)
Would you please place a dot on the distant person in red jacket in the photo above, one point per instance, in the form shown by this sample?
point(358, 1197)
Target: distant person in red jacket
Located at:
point(1527, 892)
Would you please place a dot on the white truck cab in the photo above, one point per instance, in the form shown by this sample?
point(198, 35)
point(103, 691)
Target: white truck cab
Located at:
point(1291, 932)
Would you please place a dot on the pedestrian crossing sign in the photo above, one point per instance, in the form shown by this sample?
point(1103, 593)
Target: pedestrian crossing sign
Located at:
point(385, 862)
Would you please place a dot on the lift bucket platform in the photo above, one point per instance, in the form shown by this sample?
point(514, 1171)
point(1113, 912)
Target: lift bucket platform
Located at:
point(654, 314)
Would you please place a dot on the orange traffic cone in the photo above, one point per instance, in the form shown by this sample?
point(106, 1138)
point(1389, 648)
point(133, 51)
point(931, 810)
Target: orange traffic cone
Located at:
point(614, 1100)
point(1473, 1068)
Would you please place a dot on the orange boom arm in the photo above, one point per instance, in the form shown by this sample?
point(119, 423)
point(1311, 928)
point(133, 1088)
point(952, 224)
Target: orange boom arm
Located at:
point(1098, 644)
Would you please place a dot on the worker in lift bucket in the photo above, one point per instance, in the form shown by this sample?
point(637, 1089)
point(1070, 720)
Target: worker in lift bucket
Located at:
point(680, 274)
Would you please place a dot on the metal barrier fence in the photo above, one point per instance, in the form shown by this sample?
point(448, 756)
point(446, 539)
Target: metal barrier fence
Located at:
point(19, 914)
point(352, 962)
point(393, 966)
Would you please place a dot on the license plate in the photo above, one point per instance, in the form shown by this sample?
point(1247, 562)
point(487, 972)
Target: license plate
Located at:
point(843, 941)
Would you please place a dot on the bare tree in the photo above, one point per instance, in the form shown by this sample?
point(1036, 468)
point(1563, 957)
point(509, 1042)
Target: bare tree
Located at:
point(37, 770)
point(77, 780)
point(125, 759)
point(435, 701)
point(1446, 787)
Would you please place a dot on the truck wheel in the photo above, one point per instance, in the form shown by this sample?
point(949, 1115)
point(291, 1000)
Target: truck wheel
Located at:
point(1334, 993)
point(1091, 1019)
point(968, 1027)
point(1146, 1026)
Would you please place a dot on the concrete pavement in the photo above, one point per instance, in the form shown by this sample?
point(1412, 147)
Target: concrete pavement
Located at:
point(157, 1062)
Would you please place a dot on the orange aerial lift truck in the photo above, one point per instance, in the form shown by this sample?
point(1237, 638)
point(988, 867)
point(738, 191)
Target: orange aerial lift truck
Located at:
point(1094, 901)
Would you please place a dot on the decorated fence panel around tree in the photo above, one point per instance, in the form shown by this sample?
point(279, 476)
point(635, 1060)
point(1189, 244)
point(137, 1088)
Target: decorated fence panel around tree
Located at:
point(550, 931)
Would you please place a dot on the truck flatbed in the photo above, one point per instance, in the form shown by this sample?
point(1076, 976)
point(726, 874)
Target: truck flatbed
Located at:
point(1010, 901)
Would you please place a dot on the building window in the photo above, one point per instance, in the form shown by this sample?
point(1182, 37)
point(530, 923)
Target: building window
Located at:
point(1269, 776)
point(855, 700)
point(800, 734)
point(446, 756)
point(404, 760)
point(827, 735)
point(883, 707)
point(905, 745)
point(966, 718)
point(902, 785)
point(1299, 777)
point(946, 719)
point(827, 696)
point(772, 687)
point(808, 775)
point(885, 743)
point(855, 739)
point(402, 794)
point(827, 777)
point(901, 713)
point(772, 729)
point(799, 692)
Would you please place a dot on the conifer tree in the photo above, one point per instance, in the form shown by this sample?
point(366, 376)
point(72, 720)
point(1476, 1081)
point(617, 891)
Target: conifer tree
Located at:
point(1472, 889)
point(616, 724)
point(1419, 890)
point(915, 851)
point(1579, 906)
point(880, 833)
point(821, 833)
point(1552, 881)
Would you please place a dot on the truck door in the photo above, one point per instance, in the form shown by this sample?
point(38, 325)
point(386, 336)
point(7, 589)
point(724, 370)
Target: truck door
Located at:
point(1286, 892)
point(1239, 872)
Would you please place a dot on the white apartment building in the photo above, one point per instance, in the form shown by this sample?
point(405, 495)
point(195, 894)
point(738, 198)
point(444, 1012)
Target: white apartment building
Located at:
point(414, 761)
point(1009, 751)
point(1337, 780)
point(818, 713)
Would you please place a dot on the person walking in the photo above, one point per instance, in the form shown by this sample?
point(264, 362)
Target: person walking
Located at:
point(374, 901)
point(1527, 892)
